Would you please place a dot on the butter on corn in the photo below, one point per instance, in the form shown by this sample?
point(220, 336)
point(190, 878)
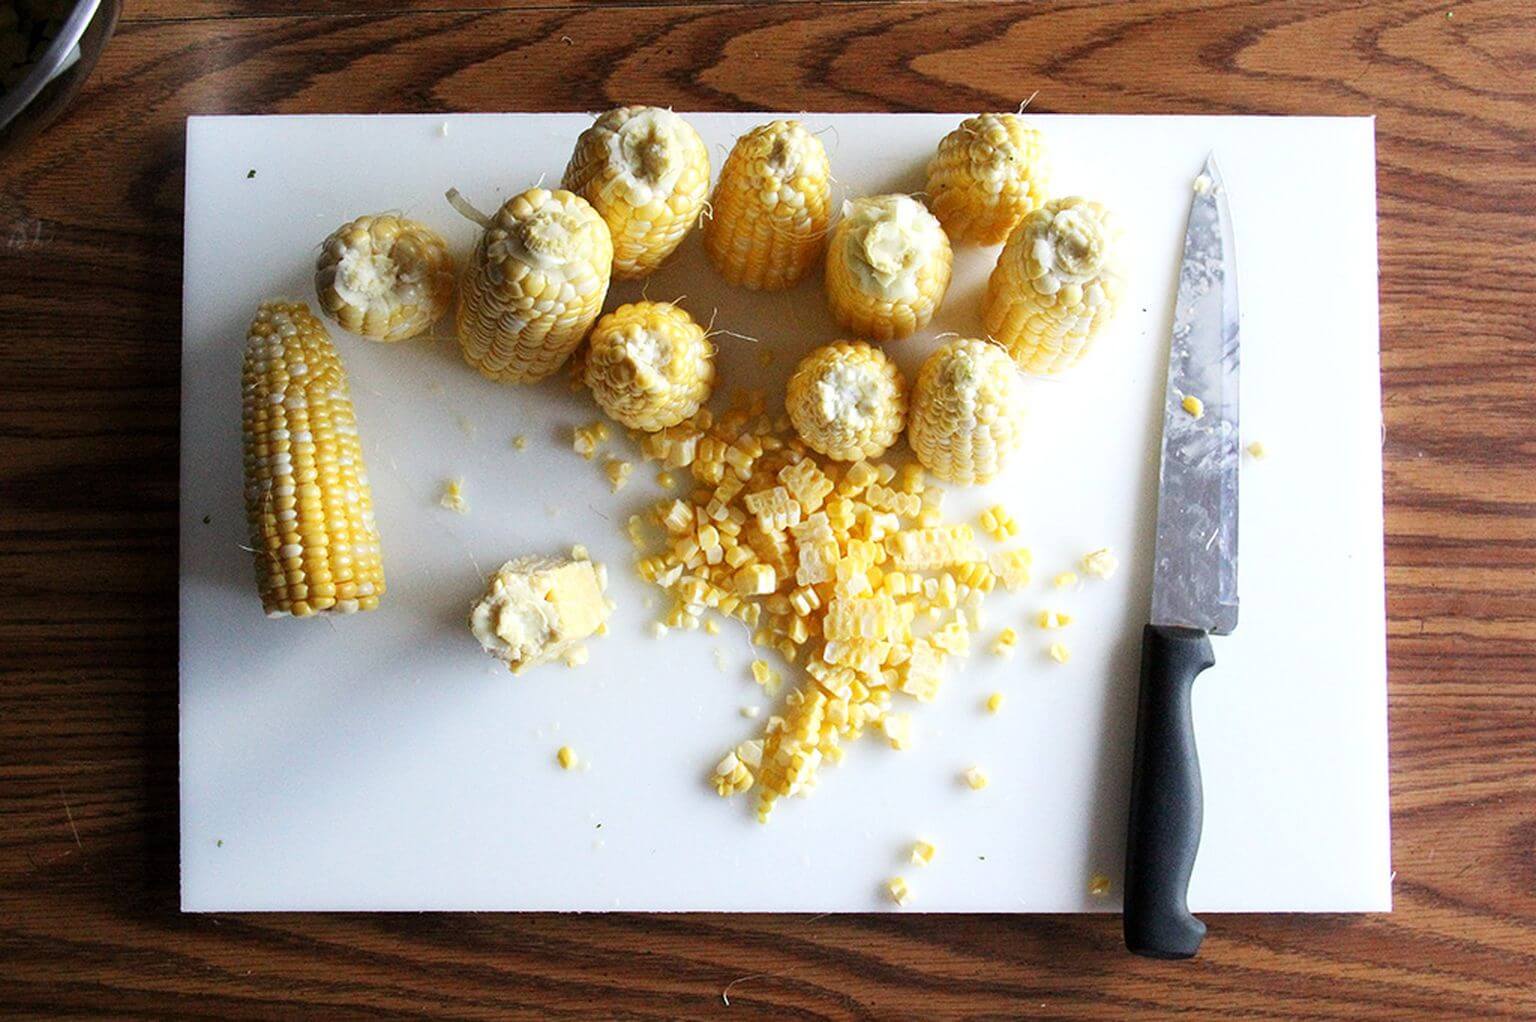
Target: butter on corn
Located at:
point(538, 609)
point(1056, 286)
point(848, 401)
point(888, 267)
point(986, 176)
point(534, 285)
point(768, 218)
point(967, 411)
point(649, 365)
point(646, 172)
point(384, 277)
point(308, 505)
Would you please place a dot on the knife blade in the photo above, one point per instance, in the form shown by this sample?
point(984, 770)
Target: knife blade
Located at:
point(1194, 579)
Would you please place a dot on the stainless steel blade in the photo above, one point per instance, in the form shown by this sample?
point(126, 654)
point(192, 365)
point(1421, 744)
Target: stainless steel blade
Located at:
point(1194, 575)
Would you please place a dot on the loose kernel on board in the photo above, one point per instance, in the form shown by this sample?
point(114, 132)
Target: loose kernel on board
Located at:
point(519, 442)
point(1005, 642)
point(618, 472)
point(897, 888)
point(1053, 619)
point(994, 702)
point(1257, 450)
point(1193, 405)
point(897, 728)
point(567, 758)
point(923, 853)
point(1100, 563)
point(577, 656)
point(976, 778)
point(1060, 653)
point(453, 496)
point(711, 626)
point(1098, 885)
point(1065, 579)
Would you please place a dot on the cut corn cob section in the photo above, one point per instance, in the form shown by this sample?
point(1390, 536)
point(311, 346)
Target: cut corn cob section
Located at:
point(534, 285)
point(987, 175)
point(769, 213)
point(384, 277)
point(538, 609)
point(1056, 286)
point(888, 266)
point(967, 411)
point(848, 401)
point(649, 365)
point(646, 172)
point(307, 500)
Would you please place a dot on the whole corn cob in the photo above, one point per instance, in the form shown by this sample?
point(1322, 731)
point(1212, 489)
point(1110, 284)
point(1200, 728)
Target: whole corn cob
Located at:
point(847, 401)
point(534, 285)
point(888, 265)
point(987, 174)
point(967, 411)
point(1057, 284)
point(646, 172)
point(384, 277)
point(649, 365)
point(770, 209)
point(307, 500)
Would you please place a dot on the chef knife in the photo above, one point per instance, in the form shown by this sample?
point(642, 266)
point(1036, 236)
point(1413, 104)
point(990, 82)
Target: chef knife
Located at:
point(1194, 580)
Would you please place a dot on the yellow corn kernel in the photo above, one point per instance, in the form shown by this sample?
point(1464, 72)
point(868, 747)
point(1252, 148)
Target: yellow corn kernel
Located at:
point(967, 411)
point(519, 442)
point(534, 285)
point(1193, 406)
point(308, 505)
point(1056, 286)
point(888, 266)
point(567, 758)
point(711, 627)
point(994, 702)
point(934, 549)
point(665, 479)
point(453, 496)
point(384, 277)
point(731, 775)
point(1065, 579)
point(1005, 642)
point(768, 218)
point(755, 580)
point(897, 728)
point(578, 655)
point(649, 365)
point(618, 472)
point(1098, 885)
point(774, 508)
point(762, 673)
point(1060, 653)
point(996, 522)
point(1100, 563)
point(1257, 450)
point(987, 175)
point(646, 172)
point(807, 484)
point(897, 888)
point(1012, 567)
point(923, 853)
point(976, 778)
point(847, 400)
point(1052, 619)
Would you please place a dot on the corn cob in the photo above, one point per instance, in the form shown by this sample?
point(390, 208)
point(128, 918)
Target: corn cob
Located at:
point(307, 500)
point(967, 407)
point(649, 365)
point(1056, 285)
point(987, 174)
point(888, 265)
point(848, 401)
point(770, 208)
point(646, 172)
point(534, 285)
point(384, 277)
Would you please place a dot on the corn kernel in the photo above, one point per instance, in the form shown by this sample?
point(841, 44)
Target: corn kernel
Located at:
point(1193, 405)
point(994, 702)
point(453, 497)
point(1257, 451)
point(923, 853)
point(1060, 653)
point(976, 778)
point(567, 758)
point(1052, 619)
point(1100, 563)
point(577, 656)
point(897, 728)
point(1065, 579)
point(519, 442)
point(897, 888)
point(1005, 642)
point(618, 472)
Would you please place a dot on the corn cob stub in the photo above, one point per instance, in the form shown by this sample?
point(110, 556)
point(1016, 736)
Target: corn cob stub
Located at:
point(384, 277)
point(848, 401)
point(646, 172)
point(1056, 286)
point(846, 569)
point(538, 609)
point(988, 173)
point(769, 213)
point(649, 365)
point(534, 285)
point(967, 411)
point(307, 500)
point(888, 266)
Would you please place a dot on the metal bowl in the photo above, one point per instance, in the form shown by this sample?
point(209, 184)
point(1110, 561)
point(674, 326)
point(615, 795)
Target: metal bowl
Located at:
point(32, 103)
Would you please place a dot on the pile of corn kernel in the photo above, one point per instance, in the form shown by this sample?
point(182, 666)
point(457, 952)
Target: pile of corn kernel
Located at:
point(847, 570)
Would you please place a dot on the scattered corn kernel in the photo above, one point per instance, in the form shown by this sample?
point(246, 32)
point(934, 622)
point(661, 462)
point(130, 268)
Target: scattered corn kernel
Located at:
point(1100, 563)
point(1052, 619)
point(578, 655)
point(618, 472)
point(976, 778)
point(1060, 653)
point(519, 442)
point(994, 702)
point(899, 891)
point(1098, 885)
point(923, 853)
point(711, 627)
point(1193, 405)
point(453, 496)
point(1257, 450)
point(1005, 642)
point(567, 757)
point(1012, 567)
point(897, 728)
point(1066, 579)
point(750, 712)
point(996, 522)
point(666, 479)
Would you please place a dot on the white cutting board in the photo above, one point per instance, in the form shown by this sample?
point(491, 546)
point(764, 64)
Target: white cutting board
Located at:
point(382, 761)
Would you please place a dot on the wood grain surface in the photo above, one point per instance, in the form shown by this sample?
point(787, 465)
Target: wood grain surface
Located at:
point(90, 271)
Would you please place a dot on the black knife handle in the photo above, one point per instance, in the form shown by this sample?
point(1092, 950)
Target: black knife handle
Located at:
point(1164, 832)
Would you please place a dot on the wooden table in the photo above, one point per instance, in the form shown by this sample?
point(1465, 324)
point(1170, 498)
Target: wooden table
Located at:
point(90, 271)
